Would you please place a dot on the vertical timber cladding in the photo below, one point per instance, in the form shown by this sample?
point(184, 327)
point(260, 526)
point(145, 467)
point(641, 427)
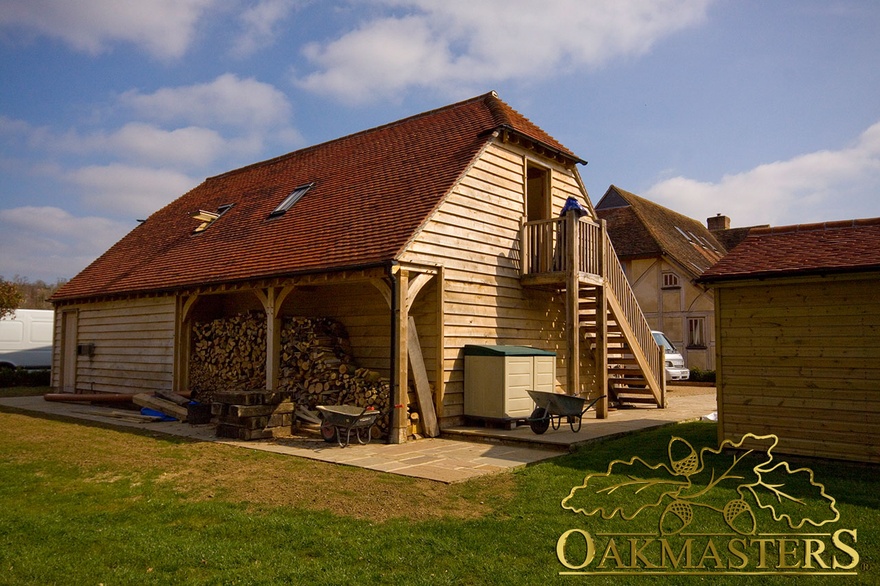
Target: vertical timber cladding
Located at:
point(356, 305)
point(133, 345)
point(475, 236)
point(801, 359)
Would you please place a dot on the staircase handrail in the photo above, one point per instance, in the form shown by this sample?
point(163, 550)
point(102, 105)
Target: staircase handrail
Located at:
point(618, 286)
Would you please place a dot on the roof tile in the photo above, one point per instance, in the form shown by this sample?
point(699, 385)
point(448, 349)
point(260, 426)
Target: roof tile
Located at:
point(640, 228)
point(845, 246)
point(372, 191)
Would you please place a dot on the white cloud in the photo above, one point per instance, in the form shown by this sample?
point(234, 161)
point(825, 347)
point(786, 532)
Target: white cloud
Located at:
point(815, 187)
point(49, 243)
point(261, 24)
point(164, 28)
point(137, 142)
point(228, 119)
point(226, 101)
point(148, 144)
point(129, 191)
point(462, 43)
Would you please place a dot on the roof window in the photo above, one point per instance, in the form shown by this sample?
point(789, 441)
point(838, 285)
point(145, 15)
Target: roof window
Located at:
point(207, 218)
point(291, 199)
point(685, 234)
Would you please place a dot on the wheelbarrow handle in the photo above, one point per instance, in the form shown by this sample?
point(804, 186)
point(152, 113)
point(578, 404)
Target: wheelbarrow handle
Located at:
point(591, 404)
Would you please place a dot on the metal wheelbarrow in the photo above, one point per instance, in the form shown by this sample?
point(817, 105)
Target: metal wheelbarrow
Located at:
point(550, 408)
point(339, 421)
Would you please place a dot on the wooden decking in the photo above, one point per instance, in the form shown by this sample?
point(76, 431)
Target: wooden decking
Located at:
point(576, 255)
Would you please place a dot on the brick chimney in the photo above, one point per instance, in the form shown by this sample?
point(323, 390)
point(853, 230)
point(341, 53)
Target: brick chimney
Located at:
point(717, 223)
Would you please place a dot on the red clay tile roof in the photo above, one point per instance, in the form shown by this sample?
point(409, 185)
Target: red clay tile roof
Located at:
point(640, 228)
point(372, 191)
point(831, 247)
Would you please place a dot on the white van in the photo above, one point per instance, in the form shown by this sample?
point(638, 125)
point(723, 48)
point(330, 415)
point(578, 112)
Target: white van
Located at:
point(675, 367)
point(26, 338)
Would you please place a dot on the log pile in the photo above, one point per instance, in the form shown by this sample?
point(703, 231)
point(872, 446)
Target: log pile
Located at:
point(228, 354)
point(317, 366)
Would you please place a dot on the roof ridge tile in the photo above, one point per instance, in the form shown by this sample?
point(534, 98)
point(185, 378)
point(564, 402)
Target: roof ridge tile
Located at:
point(815, 226)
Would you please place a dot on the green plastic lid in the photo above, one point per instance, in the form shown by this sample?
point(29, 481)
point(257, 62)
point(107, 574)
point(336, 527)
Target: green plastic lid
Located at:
point(479, 350)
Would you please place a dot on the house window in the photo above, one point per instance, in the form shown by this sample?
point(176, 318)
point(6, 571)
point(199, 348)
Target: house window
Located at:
point(670, 280)
point(696, 332)
point(291, 199)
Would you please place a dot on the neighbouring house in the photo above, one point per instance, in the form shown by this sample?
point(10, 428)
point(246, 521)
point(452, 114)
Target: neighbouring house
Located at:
point(663, 254)
point(420, 237)
point(798, 323)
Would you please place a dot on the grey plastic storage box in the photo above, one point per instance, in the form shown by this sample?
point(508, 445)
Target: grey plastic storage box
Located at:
point(496, 379)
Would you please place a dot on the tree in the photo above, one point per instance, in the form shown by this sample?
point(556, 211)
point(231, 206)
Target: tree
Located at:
point(10, 298)
point(35, 295)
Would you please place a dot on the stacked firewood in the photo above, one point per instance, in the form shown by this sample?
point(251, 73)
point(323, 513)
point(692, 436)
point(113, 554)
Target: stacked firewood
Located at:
point(228, 354)
point(317, 366)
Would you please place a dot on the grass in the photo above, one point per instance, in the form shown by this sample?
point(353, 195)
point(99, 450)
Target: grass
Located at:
point(24, 391)
point(83, 504)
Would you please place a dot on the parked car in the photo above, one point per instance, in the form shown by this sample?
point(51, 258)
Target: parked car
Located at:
point(26, 339)
point(675, 367)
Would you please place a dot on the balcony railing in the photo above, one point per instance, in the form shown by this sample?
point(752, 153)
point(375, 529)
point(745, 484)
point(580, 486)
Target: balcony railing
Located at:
point(549, 246)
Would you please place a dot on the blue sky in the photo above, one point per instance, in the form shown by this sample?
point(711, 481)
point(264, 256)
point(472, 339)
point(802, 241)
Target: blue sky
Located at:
point(766, 111)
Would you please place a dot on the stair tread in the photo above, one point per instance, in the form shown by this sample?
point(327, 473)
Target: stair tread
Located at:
point(624, 370)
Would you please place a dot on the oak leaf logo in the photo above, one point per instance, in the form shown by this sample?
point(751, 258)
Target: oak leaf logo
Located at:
point(705, 479)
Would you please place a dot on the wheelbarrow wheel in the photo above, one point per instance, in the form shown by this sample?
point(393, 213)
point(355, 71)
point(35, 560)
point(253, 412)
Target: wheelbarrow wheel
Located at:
point(539, 421)
point(328, 432)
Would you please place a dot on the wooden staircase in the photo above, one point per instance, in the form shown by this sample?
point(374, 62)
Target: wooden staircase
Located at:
point(628, 383)
point(576, 254)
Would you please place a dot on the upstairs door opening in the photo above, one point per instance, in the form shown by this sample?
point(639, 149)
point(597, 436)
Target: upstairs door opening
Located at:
point(538, 209)
point(537, 193)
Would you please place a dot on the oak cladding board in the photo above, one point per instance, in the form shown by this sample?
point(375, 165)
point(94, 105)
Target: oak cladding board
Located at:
point(801, 358)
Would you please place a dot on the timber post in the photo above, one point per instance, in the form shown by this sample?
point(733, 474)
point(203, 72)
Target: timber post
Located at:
point(602, 327)
point(183, 342)
point(400, 362)
point(272, 299)
point(572, 299)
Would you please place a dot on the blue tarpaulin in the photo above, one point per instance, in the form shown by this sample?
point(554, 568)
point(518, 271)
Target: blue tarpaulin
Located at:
point(573, 204)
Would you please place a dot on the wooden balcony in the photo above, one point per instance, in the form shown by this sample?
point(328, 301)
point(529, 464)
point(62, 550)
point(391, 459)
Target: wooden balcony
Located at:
point(551, 248)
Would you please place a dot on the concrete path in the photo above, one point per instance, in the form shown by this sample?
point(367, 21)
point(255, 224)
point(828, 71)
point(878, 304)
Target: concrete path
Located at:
point(441, 459)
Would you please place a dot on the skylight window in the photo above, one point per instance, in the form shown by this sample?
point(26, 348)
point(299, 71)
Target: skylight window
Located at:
point(683, 233)
point(291, 199)
point(207, 218)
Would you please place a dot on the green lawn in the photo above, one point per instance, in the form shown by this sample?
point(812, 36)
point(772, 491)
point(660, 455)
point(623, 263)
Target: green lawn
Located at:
point(23, 391)
point(85, 504)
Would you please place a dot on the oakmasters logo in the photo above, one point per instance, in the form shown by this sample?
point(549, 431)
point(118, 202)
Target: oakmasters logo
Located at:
point(731, 510)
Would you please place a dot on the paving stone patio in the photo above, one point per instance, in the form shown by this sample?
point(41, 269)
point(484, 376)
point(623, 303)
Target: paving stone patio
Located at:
point(460, 454)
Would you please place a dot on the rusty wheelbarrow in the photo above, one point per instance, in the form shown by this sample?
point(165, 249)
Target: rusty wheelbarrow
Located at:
point(550, 408)
point(339, 421)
